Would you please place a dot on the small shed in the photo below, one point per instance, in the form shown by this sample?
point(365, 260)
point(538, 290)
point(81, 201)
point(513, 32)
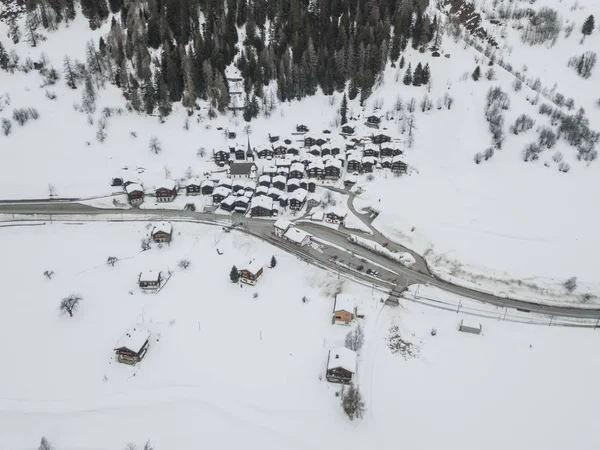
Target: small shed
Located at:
point(341, 365)
point(344, 309)
point(149, 280)
point(469, 327)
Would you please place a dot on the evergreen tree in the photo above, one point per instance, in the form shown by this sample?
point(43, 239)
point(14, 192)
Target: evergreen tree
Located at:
point(273, 261)
point(352, 402)
point(14, 32)
point(3, 57)
point(476, 73)
point(69, 71)
point(149, 96)
point(426, 75)
point(247, 114)
point(352, 89)
point(418, 75)
point(402, 63)
point(588, 25)
point(234, 275)
point(395, 50)
point(407, 80)
point(162, 95)
point(344, 110)
point(115, 5)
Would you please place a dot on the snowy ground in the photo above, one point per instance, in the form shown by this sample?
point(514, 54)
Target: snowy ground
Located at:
point(503, 226)
point(225, 368)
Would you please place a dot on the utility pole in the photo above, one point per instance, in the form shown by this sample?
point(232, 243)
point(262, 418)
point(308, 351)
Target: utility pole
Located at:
point(459, 305)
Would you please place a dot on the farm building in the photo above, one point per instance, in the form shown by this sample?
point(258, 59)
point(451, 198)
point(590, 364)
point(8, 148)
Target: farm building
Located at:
point(341, 365)
point(132, 346)
point(149, 279)
point(469, 327)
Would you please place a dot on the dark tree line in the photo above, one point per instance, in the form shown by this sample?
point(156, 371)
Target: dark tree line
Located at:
point(303, 45)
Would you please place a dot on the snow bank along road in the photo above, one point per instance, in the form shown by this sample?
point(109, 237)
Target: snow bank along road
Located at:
point(394, 276)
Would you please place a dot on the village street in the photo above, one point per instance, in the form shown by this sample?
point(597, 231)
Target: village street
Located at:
point(341, 256)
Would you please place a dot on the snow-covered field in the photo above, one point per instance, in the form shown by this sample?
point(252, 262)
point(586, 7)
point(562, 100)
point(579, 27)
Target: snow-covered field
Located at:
point(225, 369)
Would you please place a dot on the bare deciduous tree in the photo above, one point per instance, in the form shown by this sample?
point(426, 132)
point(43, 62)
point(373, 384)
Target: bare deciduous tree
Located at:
point(6, 126)
point(184, 263)
point(155, 145)
point(111, 260)
point(352, 402)
point(45, 444)
point(69, 305)
point(355, 338)
point(571, 284)
point(49, 274)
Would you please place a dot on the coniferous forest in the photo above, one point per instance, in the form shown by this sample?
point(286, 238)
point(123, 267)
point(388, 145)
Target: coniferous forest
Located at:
point(163, 51)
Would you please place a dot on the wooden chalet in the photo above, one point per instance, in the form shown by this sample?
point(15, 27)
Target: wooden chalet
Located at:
point(220, 193)
point(280, 182)
point(341, 365)
point(238, 185)
point(280, 226)
point(193, 187)
point(240, 154)
point(354, 163)
point(313, 200)
point(333, 169)
point(261, 190)
point(284, 200)
point(293, 184)
point(273, 139)
point(241, 204)
point(149, 280)
point(292, 151)
point(132, 346)
point(228, 203)
point(398, 165)
point(309, 141)
point(316, 169)
point(162, 232)
point(335, 216)
point(207, 187)
point(301, 129)
point(297, 236)
point(380, 138)
point(368, 163)
point(261, 206)
point(296, 170)
point(135, 194)
point(335, 150)
point(314, 150)
point(304, 183)
point(386, 150)
point(344, 309)
point(274, 194)
point(325, 150)
point(320, 141)
point(298, 198)
point(386, 163)
point(347, 129)
point(279, 151)
point(251, 273)
point(166, 192)
point(373, 122)
point(225, 182)
point(265, 153)
point(371, 150)
point(221, 157)
point(264, 180)
point(350, 180)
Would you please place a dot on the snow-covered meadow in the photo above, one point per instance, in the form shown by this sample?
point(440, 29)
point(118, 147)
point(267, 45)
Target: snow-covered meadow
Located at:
point(226, 369)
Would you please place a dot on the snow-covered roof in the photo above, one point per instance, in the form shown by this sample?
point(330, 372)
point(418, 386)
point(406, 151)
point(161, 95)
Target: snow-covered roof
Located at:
point(167, 184)
point(334, 162)
point(317, 216)
point(225, 181)
point(280, 178)
point(269, 169)
point(194, 182)
point(222, 190)
point(293, 181)
point(372, 146)
point(398, 158)
point(296, 235)
point(340, 212)
point(344, 302)
point(316, 164)
point(242, 168)
point(282, 224)
point(314, 148)
point(315, 196)
point(299, 194)
point(354, 156)
point(470, 324)
point(297, 166)
point(249, 184)
point(342, 357)
point(232, 71)
point(150, 276)
point(242, 199)
point(264, 178)
point(369, 160)
point(262, 190)
point(228, 201)
point(134, 340)
point(162, 227)
point(386, 159)
point(274, 190)
point(253, 266)
point(133, 187)
point(283, 162)
point(262, 201)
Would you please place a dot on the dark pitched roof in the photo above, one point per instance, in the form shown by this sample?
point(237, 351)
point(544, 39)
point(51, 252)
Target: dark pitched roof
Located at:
point(243, 168)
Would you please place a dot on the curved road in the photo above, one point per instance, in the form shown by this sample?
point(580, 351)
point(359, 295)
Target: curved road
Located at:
point(342, 255)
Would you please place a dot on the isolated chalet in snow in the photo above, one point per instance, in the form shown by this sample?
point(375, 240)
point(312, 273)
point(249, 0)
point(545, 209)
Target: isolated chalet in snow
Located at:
point(251, 272)
point(344, 309)
point(162, 232)
point(132, 346)
point(398, 164)
point(166, 191)
point(373, 121)
point(149, 280)
point(135, 194)
point(341, 365)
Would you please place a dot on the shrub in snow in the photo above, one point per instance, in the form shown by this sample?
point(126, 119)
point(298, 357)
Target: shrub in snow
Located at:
point(571, 284)
point(145, 244)
point(517, 85)
point(523, 123)
point(111, 260)
point(352, 402)
point(45, 444)
point(398, 345)
point(101, 132)
point(6, 127)
point(355, 338)
point(557, 157)
point(564, 167)
point(547, 137)
point(49, 274)
point(50, 95)
point(546, 109)
point(489, 152)
point(531, 152)
point(69, 305)
point(583, 64)
point(184, 263)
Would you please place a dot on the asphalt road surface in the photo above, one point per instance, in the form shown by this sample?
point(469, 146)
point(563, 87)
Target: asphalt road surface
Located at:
point(342, 256)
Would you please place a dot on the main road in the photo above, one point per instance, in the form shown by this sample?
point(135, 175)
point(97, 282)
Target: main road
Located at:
point(335, 252)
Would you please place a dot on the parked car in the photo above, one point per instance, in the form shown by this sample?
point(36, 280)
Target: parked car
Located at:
point(385, 244)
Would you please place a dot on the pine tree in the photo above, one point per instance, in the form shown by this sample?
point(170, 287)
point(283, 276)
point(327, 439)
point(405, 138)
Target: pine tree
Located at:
point(407, 80)
point(14, 32)
point(426, 76)
point(69, 71)
point(395, 50)
point(476, 73)
point(115, 5)
point(588, 25)
point(273, 261)
point(418, 75)
point(344, 110)
point(149, 97)
point(352, 89)
point(234, 275)
point(31, 24)
point(3, 57)
point(402, 63)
